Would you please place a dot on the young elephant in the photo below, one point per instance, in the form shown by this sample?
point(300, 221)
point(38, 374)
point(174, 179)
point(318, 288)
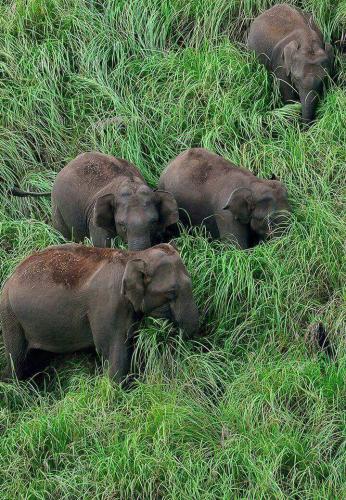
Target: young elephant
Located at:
point(289, 43)
point(99, 196)
point(70, 297)
point(230, 201)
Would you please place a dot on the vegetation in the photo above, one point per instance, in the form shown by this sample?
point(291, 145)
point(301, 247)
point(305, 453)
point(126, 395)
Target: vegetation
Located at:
point(255, 409)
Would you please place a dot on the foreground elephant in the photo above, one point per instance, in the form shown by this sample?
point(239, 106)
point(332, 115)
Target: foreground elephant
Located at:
point(230, 201)
point(289, 43)
point(70, 297)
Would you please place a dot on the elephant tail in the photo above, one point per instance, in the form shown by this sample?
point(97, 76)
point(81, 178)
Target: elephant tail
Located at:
point(16, 191)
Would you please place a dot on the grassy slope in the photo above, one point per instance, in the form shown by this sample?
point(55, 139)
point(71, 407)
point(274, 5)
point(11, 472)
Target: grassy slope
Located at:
point(257, 411)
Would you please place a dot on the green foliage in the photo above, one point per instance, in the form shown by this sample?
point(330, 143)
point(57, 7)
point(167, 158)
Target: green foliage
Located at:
point(253, 409)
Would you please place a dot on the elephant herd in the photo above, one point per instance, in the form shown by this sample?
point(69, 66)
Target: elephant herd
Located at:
point(70, 297)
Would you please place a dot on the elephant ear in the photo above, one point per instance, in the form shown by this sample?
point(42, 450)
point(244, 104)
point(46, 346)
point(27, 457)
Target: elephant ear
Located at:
point(240, 203)
point(288, 53)
point(168, 208)
point(104, 211)
point(132, 286)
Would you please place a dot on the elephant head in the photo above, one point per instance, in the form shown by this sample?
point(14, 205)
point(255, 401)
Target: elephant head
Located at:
point(160, 286)
point(308, 68)
point(138, 216)
point(263, 205)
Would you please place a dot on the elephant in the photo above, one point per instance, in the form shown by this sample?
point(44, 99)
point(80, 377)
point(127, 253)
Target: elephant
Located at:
point(290, 44)
point(230, 201)
point(70, 297)
point(100, 196)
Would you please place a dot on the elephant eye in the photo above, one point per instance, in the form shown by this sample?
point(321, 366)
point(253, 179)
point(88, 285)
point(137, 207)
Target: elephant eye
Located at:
point(122, 226)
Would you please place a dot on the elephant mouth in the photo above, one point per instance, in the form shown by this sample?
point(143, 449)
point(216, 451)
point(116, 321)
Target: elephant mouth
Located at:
point(273, 225)
point(162, 312)
point(261, 226)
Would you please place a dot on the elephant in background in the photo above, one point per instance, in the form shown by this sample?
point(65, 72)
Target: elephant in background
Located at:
point(290, 44)
point(100, 196)
point(71, 297)
point(230, 201)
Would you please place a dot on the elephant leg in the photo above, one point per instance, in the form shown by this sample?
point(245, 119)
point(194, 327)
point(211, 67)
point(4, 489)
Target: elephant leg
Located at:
point(100, 237)
point(120, 355)
point(113, 341)
point(59, 224)
point(16, 347)
point(232, 231)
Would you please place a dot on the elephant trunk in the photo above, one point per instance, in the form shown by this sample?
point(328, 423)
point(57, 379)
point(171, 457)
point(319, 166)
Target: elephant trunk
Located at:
point(163, 312)
point(309, 100)
point(186, 315)
point(136, 243)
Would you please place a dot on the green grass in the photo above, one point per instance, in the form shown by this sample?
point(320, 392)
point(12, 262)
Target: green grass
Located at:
point(254, 410)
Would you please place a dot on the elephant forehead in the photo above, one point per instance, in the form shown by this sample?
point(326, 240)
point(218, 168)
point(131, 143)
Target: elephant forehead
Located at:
point(144, 198)
point(163, 274)
point(171, 272)
point(131, 195)
point(158, 254)
point(137, 213)
point(129, 187)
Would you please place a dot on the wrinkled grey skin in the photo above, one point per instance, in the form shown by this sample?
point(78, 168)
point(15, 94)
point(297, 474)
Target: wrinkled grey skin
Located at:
point(99, 196)
point(289, 43)
point(71, 297)
point(230, 201)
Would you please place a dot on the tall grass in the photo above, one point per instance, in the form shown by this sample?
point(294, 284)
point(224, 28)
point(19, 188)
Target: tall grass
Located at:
point(254, 409)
